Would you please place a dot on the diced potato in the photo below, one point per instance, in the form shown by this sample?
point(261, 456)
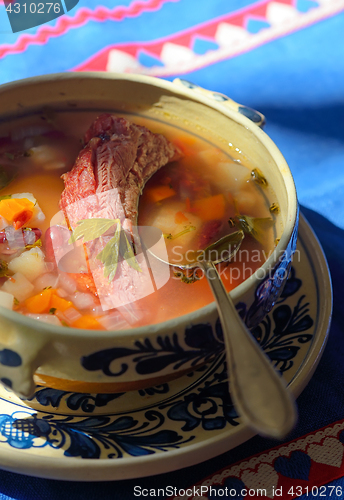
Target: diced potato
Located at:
point(19, 286)
point(233, 174)
point(6, 300)
point(247, 200)
point(48, 156)
point(212, 156)
point(30, 263)
point(165, 221)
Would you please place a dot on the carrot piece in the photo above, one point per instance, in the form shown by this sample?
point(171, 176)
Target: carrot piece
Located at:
point(180, 218)
point(210, 208)
point(40, 303)
point(17, 210)
point(22, 218)
point(88, 322)
point(59, 303)
point(159, 193)
point(186, 144)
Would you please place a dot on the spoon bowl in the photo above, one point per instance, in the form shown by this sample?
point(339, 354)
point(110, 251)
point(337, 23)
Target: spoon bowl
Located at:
point(259, 394)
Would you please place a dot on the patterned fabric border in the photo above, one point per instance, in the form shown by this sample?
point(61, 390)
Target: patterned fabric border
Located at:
point(300, 467)
point(213, 41)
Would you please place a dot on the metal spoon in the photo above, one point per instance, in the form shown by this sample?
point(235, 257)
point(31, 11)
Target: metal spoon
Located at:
point(259, 394)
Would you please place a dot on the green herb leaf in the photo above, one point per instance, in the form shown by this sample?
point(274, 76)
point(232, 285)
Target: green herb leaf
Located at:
point(4, 271)
point(37, 243)
point(5, 197)
point(187, 229)
point(10, 156)
point(52, 310)
point(258, 177)
point(255, 226)
point(229, 244)
point(90, 229)
point(127, 252)
point(109, 255)
point(15, 302)
point(188, 278)
point(274, 208)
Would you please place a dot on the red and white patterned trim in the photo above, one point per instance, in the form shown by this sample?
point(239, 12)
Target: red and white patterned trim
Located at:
point(175, 53)
point(300, 467)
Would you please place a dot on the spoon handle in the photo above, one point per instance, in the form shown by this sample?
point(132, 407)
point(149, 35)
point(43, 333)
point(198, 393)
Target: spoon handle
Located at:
point(259, 394)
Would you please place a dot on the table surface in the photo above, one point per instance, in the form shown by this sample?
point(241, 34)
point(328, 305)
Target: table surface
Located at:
point(287, 62)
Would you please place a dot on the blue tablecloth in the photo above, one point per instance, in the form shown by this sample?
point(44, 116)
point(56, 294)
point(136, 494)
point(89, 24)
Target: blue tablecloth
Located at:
point(291, 69)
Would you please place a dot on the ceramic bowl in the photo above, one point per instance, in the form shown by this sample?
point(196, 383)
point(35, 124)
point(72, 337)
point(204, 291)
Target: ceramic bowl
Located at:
point(114, 361)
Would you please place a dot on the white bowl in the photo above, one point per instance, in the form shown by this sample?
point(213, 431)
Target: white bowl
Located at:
point(115, 361)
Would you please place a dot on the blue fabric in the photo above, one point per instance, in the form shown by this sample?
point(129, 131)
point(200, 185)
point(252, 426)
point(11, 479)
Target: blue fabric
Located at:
point(297, 82)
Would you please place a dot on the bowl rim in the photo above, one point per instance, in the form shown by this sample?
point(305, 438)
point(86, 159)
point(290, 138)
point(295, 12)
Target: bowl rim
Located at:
point(197, 315)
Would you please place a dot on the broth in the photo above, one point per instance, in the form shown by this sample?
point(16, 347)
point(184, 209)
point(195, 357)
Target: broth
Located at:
point(193, 201)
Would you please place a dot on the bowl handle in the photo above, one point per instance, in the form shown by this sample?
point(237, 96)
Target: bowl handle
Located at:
point(20, 355)
point(250, 113)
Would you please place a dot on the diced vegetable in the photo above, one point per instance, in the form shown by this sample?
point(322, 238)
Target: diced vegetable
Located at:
point(235, 175)
point(60, 303)
point(159, 193)
point(38, 215)
point(180, 218)
point(83, 300)
point(19, 286)
point(71, 314)
point(113, 321)
point(44, 281)
point(88, 322)
point(31, 264)
point(210, 208)
point(48, 156)
point(24, 237)
point(67, 282)
point(165, 221)
point(18, 211)
point(247, 200)
point(211, 156)
point(6, 300)
point(40, 303)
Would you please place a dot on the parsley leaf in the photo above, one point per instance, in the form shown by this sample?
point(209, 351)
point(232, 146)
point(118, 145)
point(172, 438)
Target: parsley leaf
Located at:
point(4, 271)
point(90, 229)
point(109, 255)
point(254, 226)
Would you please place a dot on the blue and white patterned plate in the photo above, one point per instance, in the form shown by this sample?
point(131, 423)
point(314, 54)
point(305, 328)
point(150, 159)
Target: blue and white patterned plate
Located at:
point(65, 435)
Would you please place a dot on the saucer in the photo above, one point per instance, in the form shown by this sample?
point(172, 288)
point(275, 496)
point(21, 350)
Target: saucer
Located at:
point(102, 437)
